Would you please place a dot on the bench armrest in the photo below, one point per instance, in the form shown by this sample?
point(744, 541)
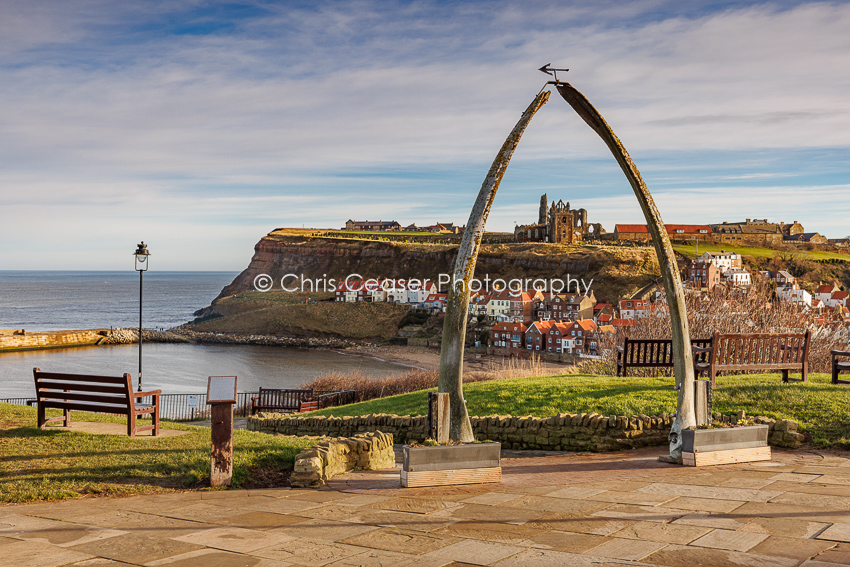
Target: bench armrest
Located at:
point(839, 353)
point(145, 394)
point(701, 349)
point(619, 349)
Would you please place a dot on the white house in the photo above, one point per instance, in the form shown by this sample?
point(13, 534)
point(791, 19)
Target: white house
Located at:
point(792, 295)
point(738, 277)
point(499, 304)
point(723, 261)
point(838, 298)
point(824, 292)
point(396, 291)
point(418, 292)
point(633, 308)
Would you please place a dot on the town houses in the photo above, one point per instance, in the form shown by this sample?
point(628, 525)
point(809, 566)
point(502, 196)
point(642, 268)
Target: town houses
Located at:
point(563, 325)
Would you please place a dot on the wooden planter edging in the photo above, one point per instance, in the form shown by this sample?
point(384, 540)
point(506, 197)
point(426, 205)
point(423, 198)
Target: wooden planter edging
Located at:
point(701, 447)
point(451, 464)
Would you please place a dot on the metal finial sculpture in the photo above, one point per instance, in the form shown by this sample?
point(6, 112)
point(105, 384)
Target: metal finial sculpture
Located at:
point(454, 326)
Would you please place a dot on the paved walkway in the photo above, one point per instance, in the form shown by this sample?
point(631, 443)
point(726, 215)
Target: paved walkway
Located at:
point(606, 509)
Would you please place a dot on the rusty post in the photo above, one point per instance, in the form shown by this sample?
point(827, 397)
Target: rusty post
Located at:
point(454, 326)
point(221, 395)
point(221, 456)
point(682, 355)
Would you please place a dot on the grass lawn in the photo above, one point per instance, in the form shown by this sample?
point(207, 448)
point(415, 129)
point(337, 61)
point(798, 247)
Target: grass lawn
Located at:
point(45, 465)
point(754, 251)
point(822, 410)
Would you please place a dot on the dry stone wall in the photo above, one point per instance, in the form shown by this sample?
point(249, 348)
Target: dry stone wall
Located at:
point(368, 451)
point(563, 432)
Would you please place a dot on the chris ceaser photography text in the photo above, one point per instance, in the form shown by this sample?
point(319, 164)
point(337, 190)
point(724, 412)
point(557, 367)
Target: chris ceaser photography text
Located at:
point(355, 282)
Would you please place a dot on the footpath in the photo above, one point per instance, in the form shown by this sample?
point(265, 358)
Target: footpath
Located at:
point(622, 508)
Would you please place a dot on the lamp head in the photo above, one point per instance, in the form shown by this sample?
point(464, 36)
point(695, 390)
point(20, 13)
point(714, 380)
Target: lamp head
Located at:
point(141, 255)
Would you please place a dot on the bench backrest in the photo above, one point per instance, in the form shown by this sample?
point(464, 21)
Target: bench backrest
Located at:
point(655, 352)
point(111, 394)
point(278, 398)
point(761, 348)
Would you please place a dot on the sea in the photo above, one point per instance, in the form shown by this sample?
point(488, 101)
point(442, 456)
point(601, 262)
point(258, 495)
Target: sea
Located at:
point(54, 300)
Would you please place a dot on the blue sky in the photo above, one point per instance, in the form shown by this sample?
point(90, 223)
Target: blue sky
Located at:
point(201, 126)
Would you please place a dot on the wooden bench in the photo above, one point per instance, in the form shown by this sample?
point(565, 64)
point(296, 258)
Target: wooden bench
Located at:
point(785, 352)
point(839, 365)
point(652, 353)
point(279, 400)
point(104, 394)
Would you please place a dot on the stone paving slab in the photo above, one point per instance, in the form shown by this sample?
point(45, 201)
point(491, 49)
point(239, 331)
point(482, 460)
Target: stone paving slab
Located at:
point(581, 509)
point(703, 504)
point(687, 556)
point(630, 549)
point(795, 548)
point(836, 532)
point(570, 542)
point(134, 548)
point(731, 540)
point(665, 533)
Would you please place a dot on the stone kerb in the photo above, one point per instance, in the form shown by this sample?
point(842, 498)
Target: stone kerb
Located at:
point(367, 451)
point(563, 432)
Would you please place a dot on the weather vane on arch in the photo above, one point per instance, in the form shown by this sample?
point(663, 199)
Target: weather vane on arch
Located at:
point(550, 71)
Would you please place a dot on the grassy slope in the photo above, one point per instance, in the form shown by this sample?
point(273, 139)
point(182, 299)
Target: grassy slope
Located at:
point(754, 251)
point(45, 465)
point(280, 312)
point(821, 409)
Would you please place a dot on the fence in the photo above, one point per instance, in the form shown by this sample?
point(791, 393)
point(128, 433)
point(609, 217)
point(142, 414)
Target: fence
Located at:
point(179, 407)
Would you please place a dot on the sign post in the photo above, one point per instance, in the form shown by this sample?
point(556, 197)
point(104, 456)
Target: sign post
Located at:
point(221, 395)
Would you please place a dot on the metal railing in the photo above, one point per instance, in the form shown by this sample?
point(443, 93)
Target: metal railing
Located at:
point(18, 401)
point(191, 407)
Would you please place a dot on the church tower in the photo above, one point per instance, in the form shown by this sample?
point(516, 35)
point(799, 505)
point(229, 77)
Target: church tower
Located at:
point(544, 209)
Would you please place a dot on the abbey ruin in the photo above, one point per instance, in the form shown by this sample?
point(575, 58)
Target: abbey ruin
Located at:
point(558, 224)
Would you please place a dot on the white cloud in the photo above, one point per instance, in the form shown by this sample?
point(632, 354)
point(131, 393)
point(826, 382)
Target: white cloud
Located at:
point(106, 109)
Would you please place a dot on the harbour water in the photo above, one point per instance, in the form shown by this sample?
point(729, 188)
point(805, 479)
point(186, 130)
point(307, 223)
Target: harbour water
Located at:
point(56, 301)
point(41, 301)
point(184, 368)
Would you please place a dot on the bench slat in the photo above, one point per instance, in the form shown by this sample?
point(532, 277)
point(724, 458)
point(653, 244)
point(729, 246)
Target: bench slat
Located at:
point(47, 385)
point(75, 378)
point(58, 395)
point(83, 406)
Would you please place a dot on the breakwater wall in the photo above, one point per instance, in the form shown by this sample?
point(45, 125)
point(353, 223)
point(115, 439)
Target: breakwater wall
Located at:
point(266, 340)
point(20, 339)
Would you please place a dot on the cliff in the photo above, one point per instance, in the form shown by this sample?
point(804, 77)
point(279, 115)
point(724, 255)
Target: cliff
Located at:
point(615, 270)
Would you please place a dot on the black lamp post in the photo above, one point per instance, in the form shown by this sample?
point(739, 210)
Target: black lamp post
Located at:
point(142, 263)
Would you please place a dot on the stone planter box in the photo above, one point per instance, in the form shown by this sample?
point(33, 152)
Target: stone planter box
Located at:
point(451, 464)
point(701, 447)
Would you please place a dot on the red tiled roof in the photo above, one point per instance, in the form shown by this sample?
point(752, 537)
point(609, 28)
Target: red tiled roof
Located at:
point(586, 324)
point(509, 326)
point(642, 228)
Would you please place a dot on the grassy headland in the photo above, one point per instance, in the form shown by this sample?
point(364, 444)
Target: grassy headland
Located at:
point(284, 313)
